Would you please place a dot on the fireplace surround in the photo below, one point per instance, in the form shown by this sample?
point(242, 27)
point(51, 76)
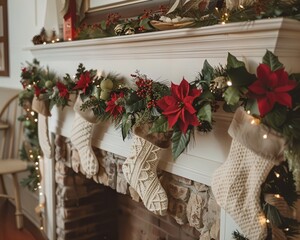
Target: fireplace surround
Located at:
point(168, 55)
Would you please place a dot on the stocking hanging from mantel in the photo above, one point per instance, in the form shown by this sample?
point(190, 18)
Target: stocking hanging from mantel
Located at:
point(140, 168)
point(81, 136)
point(236, 184)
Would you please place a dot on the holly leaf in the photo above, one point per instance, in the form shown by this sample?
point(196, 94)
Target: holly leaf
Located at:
point(136, 106)
point(180, 142)
point(276, 117)
point(232, 96)
point(240, 76)
point(160, 125)
point(233, 62)
point(204, 114)
point(125, 125)
point(207, 72)
point(272, 60)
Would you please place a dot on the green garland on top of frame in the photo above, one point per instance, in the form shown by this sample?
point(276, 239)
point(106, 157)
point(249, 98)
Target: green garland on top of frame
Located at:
point(189, 13)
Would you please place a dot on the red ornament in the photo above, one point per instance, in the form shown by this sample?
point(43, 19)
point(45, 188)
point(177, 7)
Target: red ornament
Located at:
point(271, 87)
point(178, 108)
point(38, 91)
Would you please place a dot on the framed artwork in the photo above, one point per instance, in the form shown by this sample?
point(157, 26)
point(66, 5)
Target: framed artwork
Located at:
point(4, 63)
point(96, 5)
point(96, 10)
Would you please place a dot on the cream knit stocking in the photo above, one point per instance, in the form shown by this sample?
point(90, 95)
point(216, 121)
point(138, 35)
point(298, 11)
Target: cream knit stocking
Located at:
point(81, 139)
point(237, 183)
point(140, 172)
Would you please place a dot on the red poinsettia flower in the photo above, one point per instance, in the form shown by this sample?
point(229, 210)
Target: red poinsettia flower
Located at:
point(38, 91)
point(113, 107)
point(83, 82)
point(271, 87)
point(178, 108)
point(63, 90)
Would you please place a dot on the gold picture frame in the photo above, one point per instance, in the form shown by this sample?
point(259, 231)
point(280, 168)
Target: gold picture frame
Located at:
point(4, 61)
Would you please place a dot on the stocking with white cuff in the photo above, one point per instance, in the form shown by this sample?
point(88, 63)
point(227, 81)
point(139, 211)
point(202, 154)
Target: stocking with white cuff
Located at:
point(140, 170)
point(81, 135)
point(236, 184)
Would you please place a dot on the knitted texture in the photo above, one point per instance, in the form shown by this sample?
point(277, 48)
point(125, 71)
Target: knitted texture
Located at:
point(236, 184)
point(236, 187)
point(140, 172)
point(81, 139)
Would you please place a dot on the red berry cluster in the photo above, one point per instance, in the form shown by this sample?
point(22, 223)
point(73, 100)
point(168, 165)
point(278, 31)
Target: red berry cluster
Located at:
point(112, 18)
point(144, 87)
point(151, 104)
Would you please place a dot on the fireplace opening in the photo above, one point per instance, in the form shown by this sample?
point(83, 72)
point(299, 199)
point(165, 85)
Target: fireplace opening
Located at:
point(106, 207)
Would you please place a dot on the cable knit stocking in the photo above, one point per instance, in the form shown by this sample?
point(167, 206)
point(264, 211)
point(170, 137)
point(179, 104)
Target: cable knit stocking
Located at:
point(237, 183)
point(140, 172)
point(81, 139)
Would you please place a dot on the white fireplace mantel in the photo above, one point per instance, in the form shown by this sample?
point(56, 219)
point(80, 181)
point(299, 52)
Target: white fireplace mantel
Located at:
point(168, 56)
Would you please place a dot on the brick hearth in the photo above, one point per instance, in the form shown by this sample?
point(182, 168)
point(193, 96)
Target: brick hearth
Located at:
point(106, 208)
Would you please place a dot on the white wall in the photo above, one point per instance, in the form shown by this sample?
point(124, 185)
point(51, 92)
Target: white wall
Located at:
point(25, 19)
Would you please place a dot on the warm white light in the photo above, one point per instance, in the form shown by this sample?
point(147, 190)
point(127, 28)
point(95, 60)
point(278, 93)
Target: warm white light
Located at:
point(252, 121)
point(248, 112)
point(229, 83)
point(267, 221)
point(265, 136)
point(36, 163)
point(44, 43)
point(241, 6)
point(57, 39)
point(223, 23)
point(286, 229)
point(53, 41)
point(277, 195)
point(36, 168)
point(69, 39)
point(35, 120)
point(38, 156)
point(31, 156)
point(32, 113)
point(41, 228)
point(277, 174)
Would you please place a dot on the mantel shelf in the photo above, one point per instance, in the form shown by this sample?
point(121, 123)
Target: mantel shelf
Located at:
point(170, 55)
point(181, 42)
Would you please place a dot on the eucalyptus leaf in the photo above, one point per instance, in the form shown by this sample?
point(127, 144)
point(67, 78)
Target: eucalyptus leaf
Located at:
point(233, 62)
point(180, 142)
point(270, 59)
point(232, 96)
point(204, 113)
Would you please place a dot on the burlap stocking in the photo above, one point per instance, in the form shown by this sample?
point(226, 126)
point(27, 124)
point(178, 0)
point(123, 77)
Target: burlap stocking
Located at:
point(236, 185)
point(140, 172)
point(81, 135)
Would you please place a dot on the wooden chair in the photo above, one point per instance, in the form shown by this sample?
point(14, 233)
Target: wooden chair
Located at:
point(11, 138)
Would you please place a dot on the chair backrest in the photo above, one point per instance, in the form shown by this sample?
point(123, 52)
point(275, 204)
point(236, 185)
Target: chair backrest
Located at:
point(12, 138)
